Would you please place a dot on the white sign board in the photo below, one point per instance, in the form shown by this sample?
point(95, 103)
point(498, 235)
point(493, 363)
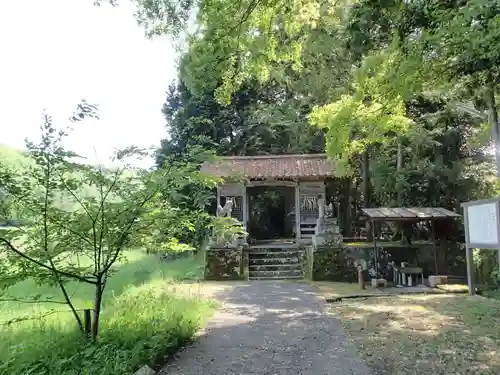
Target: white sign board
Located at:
point(482, 231)
point(483, 223)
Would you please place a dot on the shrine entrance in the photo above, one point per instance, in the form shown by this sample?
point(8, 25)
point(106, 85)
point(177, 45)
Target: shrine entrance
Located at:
point(271, 213)
point(275, 196)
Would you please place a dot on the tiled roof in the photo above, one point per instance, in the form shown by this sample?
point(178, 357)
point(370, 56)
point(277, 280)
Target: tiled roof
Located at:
point(271, 166)
point(401, 213)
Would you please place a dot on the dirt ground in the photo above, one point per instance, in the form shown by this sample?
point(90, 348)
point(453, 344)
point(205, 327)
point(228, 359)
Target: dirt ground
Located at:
point(419, 334)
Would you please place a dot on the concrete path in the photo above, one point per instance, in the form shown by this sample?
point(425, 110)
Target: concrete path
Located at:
point(270, 328)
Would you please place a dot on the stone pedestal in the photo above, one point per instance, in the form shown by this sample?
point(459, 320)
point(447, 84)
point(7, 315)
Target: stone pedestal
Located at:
point(225, 264)
point(435, 280)
point(327, 233)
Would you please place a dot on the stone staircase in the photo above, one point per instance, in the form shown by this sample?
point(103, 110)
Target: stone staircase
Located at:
point(275, 263)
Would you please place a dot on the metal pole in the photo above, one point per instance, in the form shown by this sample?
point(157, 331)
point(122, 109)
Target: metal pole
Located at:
point(470, 270)
point(468, 255)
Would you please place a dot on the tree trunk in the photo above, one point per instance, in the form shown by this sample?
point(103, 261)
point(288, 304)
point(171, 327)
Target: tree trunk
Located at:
point(495, 129)
point(365, 180)
point(399, 192)
point(345, 206)
point(493, 116)
point(399, 169)
point(99, 288)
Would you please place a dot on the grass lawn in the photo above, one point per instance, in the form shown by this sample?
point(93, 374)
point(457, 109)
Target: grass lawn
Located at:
point(424, 334)
point(145, 317)
point(491, 293)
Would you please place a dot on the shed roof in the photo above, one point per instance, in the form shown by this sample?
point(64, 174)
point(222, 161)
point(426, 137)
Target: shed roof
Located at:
point(408, 213)
point(271, 166)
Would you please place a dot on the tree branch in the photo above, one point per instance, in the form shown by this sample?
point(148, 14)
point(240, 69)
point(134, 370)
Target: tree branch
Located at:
point(46, 246)
point(101, 211)
point(38, 263)
point(34, 300)
point(25, 318)
point(79, 235)
point(75, 196)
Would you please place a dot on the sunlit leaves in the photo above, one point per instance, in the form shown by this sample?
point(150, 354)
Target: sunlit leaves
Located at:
point(368, 116)
point(163, 17)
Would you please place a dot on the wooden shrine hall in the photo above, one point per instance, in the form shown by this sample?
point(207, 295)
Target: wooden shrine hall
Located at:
point(275, 197)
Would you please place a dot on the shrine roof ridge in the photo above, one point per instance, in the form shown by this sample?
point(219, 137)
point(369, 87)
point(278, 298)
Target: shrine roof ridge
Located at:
point(271, 166)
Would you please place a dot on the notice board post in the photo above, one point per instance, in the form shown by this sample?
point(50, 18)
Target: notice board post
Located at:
point(482, 231)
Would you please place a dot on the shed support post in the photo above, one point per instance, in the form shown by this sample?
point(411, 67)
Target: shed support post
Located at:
point(245, 206)
point(297, 213)
point(433, 233)
point(375, 250)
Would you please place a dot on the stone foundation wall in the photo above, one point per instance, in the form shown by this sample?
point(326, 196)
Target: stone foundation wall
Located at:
point(338, 264)
point(333, 264)
point(308, 262)
point(226, 264)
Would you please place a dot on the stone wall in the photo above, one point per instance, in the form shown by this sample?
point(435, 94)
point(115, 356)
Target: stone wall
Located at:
point(307, 262)
point(226, 264)
point(333, 264)
point(338, 264)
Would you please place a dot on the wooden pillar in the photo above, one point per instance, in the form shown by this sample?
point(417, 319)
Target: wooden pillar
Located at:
point(375, 250)
point(218, 195)
point(433, 234)
point(297, 212)
point(245, 206)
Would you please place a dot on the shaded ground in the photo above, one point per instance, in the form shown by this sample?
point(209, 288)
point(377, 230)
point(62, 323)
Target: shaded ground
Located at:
point(270, 328)
point(337, 290)
point(424, 334)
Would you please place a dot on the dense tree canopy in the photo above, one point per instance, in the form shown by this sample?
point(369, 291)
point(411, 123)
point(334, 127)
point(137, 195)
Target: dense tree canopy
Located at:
point(384, 79)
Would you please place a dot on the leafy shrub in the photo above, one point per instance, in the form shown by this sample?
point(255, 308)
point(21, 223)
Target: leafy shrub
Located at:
point(141, 327)
point(143, 320)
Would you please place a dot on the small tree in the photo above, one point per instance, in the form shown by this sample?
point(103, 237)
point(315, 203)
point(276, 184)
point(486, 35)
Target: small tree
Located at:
point(78, 211)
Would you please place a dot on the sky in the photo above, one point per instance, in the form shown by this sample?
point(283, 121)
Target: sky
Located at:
point(53, 53)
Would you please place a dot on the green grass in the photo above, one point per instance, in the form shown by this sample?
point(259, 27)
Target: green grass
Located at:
point(491, 293)
point(142, 321)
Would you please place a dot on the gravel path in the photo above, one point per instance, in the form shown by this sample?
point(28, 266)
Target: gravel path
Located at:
point(270, 328)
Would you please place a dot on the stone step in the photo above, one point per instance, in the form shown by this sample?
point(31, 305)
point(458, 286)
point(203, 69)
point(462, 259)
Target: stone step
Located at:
point(276, 267)
point(271, 261)
point(281, 254)
point(276, 278)
point(282, 274)
point(272, 249)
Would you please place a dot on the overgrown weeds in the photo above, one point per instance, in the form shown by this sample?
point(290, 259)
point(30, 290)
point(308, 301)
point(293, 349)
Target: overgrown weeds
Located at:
point(141, 325)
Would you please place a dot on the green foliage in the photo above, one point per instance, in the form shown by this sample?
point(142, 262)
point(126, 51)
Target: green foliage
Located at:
point(143, 321)
point(366, 117)
point(403, 83)
point(440, 167)
point(95, 227)
point(252, 124)
point(226, 231)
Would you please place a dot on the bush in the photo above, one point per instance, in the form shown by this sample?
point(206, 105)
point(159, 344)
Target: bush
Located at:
point(142, 321)
point(142, 327)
